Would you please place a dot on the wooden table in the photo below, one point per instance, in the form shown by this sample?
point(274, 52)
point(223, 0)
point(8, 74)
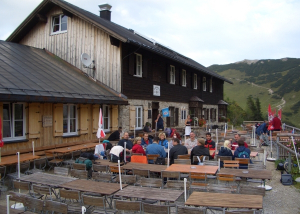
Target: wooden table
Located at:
point(183, 168)
point(252, 173)
point(47, 179)
point(13, 159)
point(151, 167)
point(92, 186)
point(69, 149)
point(223, 200)
point(14, 211)
point(150, 193)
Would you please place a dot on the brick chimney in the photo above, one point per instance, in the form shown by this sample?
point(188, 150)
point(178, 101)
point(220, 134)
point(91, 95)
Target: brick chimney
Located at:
point(105, 12)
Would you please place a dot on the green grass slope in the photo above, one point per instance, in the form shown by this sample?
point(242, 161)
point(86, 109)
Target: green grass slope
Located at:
point(275, 82)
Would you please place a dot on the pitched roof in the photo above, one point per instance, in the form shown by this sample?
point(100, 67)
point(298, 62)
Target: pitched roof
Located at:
point(115, 30)
point(34, 75)
point(222, 102)
point(196, 99)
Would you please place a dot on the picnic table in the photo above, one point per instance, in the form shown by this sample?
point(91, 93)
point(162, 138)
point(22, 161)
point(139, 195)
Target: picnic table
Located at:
point(14, 211)
point(251, 173)
point(252, 154)
point(92, 186)
point(151, 167)
point(69, 149)
point(207, 199)
point(51, 180)
point(13, 159)
point(150, 193)
point(184, 168)
point(106, 162)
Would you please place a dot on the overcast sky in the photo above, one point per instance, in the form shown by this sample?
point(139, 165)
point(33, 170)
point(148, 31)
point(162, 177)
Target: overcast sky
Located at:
point(208, 31)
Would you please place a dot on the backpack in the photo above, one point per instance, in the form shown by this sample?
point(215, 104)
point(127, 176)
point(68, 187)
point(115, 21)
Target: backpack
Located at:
point(243, 154)
point(160, 161)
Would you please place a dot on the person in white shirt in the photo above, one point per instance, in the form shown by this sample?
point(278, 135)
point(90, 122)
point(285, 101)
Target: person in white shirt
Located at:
point(191, 142)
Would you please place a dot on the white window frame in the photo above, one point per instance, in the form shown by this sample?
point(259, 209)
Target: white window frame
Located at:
point(195, 81)
point(172, 74)
point(183, 77)
point(52, 24)
point(137, 118)
point(12, 124)
point(139, 65)
point(204, 83)
point(210, 86)
point(68, 133)
point(106, 109)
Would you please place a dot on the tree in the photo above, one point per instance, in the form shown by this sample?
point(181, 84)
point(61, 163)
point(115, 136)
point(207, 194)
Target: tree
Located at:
point(251, 109)
point(258, 115)
point(235, 113)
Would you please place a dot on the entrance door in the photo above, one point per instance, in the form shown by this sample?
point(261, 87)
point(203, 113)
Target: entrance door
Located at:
point(155, 112)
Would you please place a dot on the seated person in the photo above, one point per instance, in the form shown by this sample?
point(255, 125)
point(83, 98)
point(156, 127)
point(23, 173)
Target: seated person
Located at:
point(128, 142)
point(225, 150)
point(210, 144)
point(191, 142)
point(176, 150)
point(242, 152)
point(146, 140)
point(147, 127)
point(137, 148)
point(87, 160)
point(115, 135)
point(155, 149)
point(199, 150)
point(162, 140)
point(176, 134)
point(234, 144)
point(116, 154)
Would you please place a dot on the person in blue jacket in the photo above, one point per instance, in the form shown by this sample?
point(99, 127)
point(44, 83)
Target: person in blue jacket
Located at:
point(159, 122)
point(146, 140)
point(162, 140)
point(262, 132)
point(242, 152)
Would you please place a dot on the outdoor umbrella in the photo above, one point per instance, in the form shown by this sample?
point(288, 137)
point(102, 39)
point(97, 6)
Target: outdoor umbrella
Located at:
point(100, 132)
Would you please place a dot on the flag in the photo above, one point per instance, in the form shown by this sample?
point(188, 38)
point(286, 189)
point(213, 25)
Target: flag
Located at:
point(165, 112)
point(1, 140)
point(279, 114)
point(100, 132)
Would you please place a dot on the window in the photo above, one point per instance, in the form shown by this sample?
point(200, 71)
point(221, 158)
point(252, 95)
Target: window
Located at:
point(183, 114)
point(183, 77)
point(204, 83)
point(138, 68)
point(106, 113)
point(172, 120)
point(69, 119)
point(59, 24)
point(14, 123)
point(172, 74)
point(195, 81)
point(210, 86)
point(138, 117)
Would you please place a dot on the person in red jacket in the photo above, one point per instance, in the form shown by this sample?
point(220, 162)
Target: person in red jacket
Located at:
point(210, 144)
point(276, 122)
point(234, 144)
point(137, 148)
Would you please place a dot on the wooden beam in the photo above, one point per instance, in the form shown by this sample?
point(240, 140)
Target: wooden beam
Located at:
point(67, 13)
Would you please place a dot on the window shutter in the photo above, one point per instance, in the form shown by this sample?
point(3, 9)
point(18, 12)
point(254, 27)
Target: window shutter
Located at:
point(168, 73)
point(145, 67)
point(57, 120)
point(176, 116)
point(131, 64)
point(96, 109)
point(215, 114)
point(132, 117)
point(180, 76)
point(1, 115)
point(34, 118)
point(188, 79)
point(83, 119)
point(145, 119)
point(168, 122)
point(114, 117)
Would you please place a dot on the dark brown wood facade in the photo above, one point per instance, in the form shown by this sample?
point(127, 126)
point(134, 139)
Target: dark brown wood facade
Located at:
point(155, 72)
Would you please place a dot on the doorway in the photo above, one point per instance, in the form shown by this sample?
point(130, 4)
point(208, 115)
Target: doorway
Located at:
point(155, 112)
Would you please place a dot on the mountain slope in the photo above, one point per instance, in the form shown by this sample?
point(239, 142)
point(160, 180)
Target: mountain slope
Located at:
point(275, 82)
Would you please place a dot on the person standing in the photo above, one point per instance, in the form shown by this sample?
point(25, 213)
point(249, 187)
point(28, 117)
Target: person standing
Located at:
point(276, 122)
point(160, 123)
point(176, 150)
point(188, 125)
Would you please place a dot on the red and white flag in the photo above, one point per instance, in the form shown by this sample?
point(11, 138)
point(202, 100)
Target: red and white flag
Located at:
point(100, 132)
point(270, 118)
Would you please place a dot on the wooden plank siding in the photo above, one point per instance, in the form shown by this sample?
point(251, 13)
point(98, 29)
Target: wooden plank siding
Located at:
point(46, 136)
point(157, 74)
point(81, 37)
